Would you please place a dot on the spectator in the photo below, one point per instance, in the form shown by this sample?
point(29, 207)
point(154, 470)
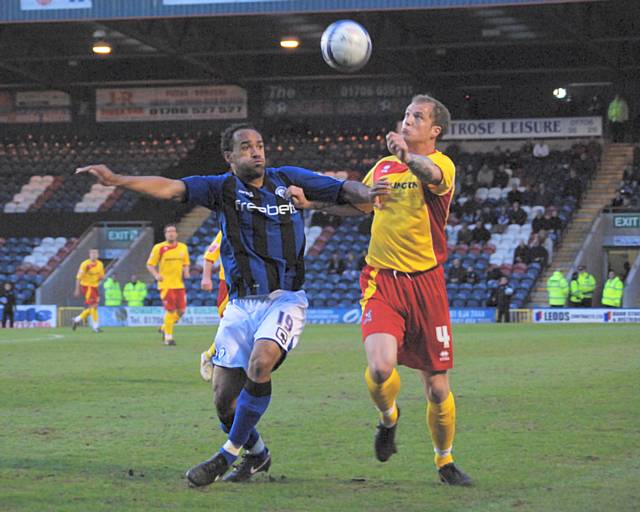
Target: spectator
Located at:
point(596, 106)
point(613, 291)
point(552, 221)
point(8, 303)
point(522, 254)
point(541, 150)
point(112, 292)
point(336, 265)
point(538, 253)
point(472, 276)
point(618, 115)
point(485, 176)
point(546, 242)
point(457, 274)
point(135, 292)
point(501, 177)
point(480, 234)
point(503, 220)
point(526, 150)
point(468, 187)
point(587, 284)
point(501, 300)
point(575, 295)
point(573, 186)
point(351, 267)
point(488, 216)
point(538, 222)
point(514, 195)
point(517, 215)
point(541, 195)
point(557, 289)
point(464, 234)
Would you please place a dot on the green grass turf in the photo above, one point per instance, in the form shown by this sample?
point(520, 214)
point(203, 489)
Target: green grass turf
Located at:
point(548, 420)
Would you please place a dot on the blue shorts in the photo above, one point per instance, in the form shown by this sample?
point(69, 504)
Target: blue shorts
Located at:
point(279, 316)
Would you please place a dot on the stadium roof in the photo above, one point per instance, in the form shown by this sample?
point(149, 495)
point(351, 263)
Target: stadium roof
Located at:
point(576, 42)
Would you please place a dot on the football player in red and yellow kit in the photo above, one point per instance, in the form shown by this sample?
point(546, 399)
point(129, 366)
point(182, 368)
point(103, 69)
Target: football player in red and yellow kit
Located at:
point(169, 263)
point(211, 257)
point(90, 273)
point(405, 309)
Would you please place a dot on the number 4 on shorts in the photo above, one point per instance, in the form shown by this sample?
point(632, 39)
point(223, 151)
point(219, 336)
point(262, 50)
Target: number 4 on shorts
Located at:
point(442, 335)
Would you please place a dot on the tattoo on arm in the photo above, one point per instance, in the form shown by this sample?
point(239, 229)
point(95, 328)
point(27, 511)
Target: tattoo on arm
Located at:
point(424, 169)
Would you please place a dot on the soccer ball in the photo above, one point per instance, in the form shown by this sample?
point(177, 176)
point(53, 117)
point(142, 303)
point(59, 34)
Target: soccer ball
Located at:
point(346, 46)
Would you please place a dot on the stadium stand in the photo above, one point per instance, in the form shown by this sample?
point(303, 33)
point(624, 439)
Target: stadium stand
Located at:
point(50, 186)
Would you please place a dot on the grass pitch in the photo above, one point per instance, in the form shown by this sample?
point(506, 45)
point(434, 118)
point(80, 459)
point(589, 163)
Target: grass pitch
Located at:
point(548, 420)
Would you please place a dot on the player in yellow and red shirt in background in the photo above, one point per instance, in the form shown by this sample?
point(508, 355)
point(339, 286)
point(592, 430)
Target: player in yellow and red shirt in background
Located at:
point(169, 263)
point(90, 273)
point(211, 258)
point(405, 309)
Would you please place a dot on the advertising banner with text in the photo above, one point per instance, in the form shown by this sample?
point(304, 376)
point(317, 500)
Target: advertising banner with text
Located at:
point(538, 128)
point(212, 102)
point(34, 316)
point(585, 315)
point(34, 107)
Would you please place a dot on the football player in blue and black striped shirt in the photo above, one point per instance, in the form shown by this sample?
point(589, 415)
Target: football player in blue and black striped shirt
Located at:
point(262, 253)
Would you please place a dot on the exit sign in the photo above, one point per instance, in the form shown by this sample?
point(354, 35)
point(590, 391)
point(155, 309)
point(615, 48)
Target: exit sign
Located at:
point(627, 221)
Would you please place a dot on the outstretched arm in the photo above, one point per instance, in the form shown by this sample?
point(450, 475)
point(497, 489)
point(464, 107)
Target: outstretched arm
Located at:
point(360, 198)
point(154, 186)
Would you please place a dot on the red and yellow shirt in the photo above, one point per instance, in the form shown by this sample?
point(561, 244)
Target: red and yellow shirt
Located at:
point(90, 273)
point(408, 231)
point(170, 259)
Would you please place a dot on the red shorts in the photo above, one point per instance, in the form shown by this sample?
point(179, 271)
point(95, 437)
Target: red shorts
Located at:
point(174, 299)
point(223, 298)
point(91, 295)
point(414, 308)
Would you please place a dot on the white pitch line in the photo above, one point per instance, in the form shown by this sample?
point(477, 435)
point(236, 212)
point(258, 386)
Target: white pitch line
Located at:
point(39, 338)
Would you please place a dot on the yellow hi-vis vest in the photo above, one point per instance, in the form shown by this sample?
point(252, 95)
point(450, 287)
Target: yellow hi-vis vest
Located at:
point(612, 292)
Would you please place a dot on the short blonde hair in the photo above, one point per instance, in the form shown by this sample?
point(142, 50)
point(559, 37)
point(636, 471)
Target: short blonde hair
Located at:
point(441, 115)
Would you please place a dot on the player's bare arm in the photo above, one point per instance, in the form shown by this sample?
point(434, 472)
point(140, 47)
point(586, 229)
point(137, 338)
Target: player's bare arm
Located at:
point(154, 186)
point(420, 165)
point(354, 192)
point(206, 283)
point(185, 272)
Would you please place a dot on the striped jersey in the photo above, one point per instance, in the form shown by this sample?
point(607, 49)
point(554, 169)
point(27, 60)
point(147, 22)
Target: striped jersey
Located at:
point(263, 240)
point(408, 230)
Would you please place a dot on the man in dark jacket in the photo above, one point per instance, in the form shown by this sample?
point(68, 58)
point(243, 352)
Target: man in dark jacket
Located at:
point(480, 234)
point(8, 301)
point(517, 215)
point(501, 299)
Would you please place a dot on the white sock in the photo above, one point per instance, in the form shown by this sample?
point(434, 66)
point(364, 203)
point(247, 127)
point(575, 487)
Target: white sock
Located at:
point(257, 448)
point(231, 448)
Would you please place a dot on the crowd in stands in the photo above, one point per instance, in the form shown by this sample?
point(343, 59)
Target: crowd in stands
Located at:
point(507, 217)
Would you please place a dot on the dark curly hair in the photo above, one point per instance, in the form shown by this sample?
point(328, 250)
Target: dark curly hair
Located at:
point(226, 137)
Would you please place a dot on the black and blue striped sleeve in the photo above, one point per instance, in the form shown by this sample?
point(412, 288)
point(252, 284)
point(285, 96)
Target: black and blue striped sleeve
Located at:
point(317, 187)
point(204, 190)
